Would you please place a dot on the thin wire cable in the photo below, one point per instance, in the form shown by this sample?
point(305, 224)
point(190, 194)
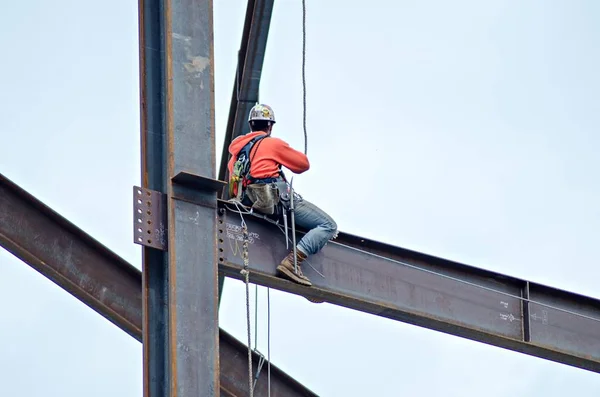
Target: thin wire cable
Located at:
point(250, 388)
point(256, 316)
point(449, 277)
point(261, 359)
point(469, 283)
point(304, 73)
point(261, 362)
point(269, 341)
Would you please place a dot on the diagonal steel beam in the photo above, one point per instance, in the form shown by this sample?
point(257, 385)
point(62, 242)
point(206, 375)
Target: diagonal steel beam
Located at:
point(427, 291)
point(105, 282)
point(251, 56)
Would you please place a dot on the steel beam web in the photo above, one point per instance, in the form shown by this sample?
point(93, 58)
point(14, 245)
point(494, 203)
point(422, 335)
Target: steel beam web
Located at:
point(105, 282)
point(193, 288)
point(427, 291)
point(246, 83)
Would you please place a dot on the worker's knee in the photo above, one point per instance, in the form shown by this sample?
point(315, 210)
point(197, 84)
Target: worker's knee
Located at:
point(312, 217)
point(331, 228)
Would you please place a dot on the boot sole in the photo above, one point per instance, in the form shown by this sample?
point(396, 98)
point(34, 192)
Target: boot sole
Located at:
point(313, 300)
point(292, 276)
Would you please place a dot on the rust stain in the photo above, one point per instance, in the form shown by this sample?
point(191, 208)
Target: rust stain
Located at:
point(443, 303)
point(197, 64)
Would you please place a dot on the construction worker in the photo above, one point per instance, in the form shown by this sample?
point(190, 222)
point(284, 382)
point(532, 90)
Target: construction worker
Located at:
point(266, 157)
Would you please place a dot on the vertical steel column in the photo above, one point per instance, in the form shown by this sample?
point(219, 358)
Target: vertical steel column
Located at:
point(155, 263)
point(178, 158)
point(193, 310)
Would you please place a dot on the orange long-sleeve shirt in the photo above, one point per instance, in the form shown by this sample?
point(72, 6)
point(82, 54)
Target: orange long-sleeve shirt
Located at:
point(267, 154)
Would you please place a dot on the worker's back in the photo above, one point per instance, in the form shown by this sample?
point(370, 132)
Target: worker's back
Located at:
point(267, 154)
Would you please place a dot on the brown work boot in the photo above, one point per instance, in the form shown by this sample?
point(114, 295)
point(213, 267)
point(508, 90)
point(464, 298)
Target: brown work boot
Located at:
point(286, 267)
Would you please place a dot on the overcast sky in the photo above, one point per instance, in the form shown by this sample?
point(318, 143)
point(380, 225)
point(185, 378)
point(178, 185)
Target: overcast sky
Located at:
point(477, 120)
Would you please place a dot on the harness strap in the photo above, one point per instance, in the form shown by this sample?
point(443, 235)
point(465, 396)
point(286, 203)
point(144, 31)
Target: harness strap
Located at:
point(249, 179)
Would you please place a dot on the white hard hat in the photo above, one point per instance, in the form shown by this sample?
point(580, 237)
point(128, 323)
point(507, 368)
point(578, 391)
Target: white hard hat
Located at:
point(261, 112)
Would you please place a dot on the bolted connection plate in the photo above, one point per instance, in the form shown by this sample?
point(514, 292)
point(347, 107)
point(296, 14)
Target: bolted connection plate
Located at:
point(149, 218)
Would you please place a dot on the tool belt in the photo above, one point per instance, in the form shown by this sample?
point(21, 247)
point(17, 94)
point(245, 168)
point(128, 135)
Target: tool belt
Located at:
point(264, 197)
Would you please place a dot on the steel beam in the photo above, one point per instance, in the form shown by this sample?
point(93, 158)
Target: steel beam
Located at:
point(108, 284)
point(251, 56)
point(155, 263)
point(234, 373)
point(69, 257)
point(180, 286)
point(427, 291)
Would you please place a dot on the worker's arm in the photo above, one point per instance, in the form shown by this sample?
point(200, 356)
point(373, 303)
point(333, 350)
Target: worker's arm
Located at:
point(284, 154)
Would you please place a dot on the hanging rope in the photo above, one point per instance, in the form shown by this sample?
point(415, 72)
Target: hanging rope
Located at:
point(246, 273)
point(242, 211)
point(304, 72)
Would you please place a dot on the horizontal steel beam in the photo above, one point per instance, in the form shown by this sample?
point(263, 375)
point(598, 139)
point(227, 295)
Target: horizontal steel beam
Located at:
point(424, 290)
point(111, 286)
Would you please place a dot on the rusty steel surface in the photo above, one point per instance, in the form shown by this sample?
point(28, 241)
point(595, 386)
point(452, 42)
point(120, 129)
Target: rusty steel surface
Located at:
point(553, 325)
point(111, 286)
point(73, 260)
point(426, 291)
point(177, 135)
point(156, 371)
point(565, 324)
point(190, 132)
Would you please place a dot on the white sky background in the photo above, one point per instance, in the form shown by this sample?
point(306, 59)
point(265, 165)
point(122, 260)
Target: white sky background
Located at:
point(479, 120)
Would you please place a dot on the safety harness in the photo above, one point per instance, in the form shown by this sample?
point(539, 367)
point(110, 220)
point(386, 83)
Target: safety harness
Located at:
point(243, 185)
point(240, 177)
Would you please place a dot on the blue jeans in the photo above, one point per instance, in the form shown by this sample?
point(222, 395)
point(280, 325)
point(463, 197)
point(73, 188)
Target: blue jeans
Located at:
point(321, 227)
